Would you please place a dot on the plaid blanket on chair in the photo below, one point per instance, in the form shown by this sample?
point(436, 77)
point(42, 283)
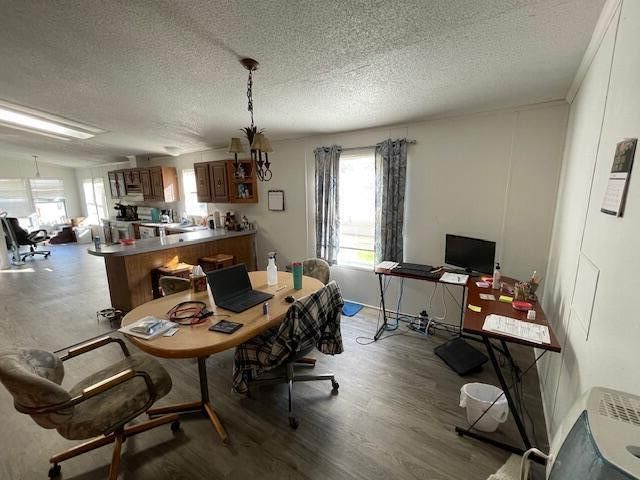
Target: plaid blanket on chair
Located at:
point(311, 321)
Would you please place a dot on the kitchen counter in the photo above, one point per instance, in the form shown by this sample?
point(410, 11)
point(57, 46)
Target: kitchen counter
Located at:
point(169, 241)
point(131, 270)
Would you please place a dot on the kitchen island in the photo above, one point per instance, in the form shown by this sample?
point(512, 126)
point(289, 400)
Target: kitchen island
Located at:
point(129, 267)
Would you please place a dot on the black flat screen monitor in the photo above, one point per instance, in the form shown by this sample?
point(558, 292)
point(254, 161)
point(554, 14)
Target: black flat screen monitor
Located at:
point(472, 254)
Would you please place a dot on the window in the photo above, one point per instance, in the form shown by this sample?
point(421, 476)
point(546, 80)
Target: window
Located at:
point(191, 204)
point(48, 200)
point(95, 200)
point(357, 207)
point(14, 197)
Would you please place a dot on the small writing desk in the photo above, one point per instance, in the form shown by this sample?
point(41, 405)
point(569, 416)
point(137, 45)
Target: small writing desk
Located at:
point(196, 341)
point(391, 272)
point(472, 324)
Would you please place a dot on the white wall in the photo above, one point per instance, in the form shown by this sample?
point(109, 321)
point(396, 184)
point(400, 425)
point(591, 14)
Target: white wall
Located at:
point(492, 176)
point(24, 168)
point(600, 349)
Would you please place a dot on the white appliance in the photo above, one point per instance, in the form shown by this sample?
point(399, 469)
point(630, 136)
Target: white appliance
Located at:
point(147, 232)
point(599, 438)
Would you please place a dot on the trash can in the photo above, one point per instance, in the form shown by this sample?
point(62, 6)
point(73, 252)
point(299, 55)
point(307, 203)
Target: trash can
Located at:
point(477, 397)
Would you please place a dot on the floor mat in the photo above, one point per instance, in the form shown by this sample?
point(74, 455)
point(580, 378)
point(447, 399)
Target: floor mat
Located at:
point(350, 309)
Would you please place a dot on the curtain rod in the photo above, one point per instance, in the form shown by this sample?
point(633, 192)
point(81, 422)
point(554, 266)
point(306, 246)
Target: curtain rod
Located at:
point(410, 142)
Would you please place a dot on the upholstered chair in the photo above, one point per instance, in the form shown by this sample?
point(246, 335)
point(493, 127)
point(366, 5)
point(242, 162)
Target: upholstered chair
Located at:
point(316, 268)
point(171, 285)
point(99, 406)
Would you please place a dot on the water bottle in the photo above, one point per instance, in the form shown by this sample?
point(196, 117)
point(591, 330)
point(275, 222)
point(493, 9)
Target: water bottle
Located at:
point(272, 271)
point(496, 277)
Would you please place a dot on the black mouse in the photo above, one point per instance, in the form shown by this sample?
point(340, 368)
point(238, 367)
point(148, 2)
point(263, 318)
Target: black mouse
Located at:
point(289, 299)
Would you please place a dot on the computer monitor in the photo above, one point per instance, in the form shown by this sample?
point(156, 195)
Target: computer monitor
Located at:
point(472, 254)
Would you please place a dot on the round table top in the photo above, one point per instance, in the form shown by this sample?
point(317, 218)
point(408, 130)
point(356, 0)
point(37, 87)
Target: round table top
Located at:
point(196, 340)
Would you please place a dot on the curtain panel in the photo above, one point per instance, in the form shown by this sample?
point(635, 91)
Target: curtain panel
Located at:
point(391, 179)
point(327, 211)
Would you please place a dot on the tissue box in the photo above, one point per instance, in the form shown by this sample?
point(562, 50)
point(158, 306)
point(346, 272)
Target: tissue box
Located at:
point(199, 283)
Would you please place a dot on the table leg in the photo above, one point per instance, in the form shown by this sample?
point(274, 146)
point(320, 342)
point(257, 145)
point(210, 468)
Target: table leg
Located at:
point(202, 406)
point(384, 310)
point(512, 408)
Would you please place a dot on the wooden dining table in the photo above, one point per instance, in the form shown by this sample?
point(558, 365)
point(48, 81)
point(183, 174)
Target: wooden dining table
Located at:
point(197, 341)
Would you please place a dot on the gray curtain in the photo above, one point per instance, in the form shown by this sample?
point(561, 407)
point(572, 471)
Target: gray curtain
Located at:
point(327, 212)
point(391, 177)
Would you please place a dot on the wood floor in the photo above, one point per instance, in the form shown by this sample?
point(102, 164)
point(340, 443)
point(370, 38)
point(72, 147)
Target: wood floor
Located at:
point(393, 417)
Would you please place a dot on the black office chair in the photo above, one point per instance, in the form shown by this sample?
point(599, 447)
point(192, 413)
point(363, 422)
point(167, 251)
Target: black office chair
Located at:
point(22, 237)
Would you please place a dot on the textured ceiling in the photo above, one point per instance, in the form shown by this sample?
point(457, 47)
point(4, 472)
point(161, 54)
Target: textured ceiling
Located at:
point(166, 73)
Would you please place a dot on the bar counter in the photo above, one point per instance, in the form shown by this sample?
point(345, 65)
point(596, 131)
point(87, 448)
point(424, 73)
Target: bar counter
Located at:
point(129, 267)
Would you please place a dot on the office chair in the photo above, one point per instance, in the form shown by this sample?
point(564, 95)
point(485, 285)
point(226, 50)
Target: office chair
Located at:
point(25, 238)
point(311, 322)
point(170, 285)
point(99, 406)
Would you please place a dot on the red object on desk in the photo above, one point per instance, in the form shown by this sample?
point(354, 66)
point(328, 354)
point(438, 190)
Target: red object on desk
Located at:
point(522, 306)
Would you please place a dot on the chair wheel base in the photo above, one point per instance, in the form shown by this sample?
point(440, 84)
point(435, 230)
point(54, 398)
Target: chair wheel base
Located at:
point(293, 423)
point(54, 472)
point(175, 426)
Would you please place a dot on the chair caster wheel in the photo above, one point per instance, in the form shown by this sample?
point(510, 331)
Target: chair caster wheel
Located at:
point(293, 423)
point(335, 385)
point(54, 472)
point(175, 426)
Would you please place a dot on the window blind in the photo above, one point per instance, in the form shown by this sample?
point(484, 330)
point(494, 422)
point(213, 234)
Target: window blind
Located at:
point(47, 189)
point(14, 197)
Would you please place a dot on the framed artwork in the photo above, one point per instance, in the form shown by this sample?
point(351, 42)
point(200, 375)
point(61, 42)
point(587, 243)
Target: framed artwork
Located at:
point(276, 200)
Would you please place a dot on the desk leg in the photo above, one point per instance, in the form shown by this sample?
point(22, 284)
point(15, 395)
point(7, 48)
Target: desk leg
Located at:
point(512, 408)
point(203, 406)
point(384, 310)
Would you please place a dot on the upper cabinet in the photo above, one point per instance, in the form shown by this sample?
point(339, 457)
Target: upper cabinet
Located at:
point(218, 182)
point(159, 184)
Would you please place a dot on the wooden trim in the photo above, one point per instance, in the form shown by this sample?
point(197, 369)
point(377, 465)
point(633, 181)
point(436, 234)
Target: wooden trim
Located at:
point(107, 383)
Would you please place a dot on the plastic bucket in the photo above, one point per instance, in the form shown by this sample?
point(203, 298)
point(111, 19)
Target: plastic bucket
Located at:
point(476, 398)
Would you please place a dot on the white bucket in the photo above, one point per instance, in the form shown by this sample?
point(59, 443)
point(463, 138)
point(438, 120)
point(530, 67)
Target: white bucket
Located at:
point(477, 397)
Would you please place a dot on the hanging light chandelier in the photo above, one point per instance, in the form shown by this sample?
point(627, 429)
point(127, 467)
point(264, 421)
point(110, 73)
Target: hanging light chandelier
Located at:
point(260, 145)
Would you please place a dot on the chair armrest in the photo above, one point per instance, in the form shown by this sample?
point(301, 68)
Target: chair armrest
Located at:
point(74, 351)
point(38, 235)
point(96, 389)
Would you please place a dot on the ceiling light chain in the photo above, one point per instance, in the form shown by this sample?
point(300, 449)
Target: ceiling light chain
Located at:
point(250, 96)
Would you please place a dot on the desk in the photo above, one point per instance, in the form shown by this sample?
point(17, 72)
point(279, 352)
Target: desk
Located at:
point(197, 341)
point(393, 273)
point(473, 322)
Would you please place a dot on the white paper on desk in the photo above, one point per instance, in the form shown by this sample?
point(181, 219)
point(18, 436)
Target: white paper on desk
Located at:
point(532, 332)
point(455, 278)
point(387, 265)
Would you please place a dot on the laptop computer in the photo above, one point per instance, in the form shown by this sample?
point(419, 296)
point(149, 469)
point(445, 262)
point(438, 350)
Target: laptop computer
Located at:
point(231, 289)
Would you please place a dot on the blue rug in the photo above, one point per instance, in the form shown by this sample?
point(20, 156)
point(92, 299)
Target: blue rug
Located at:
point(350, 309)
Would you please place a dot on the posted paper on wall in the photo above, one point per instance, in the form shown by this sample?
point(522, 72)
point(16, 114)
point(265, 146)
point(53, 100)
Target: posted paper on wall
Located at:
point(615, 194)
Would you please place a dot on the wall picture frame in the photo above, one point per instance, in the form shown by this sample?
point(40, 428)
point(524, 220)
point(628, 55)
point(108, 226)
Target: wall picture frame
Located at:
point(276, 200)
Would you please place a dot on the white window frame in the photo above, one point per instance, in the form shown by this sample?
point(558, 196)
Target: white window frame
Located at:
point(202, 209)
point(349, 255)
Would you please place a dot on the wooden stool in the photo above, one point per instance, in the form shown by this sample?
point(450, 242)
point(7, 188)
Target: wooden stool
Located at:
point(215, 262)
point(182, 270)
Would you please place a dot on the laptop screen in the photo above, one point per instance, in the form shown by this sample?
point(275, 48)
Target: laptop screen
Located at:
point(229, 282)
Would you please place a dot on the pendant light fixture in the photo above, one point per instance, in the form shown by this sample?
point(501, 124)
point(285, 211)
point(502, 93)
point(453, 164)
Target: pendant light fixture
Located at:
point(259, 144)
point(35, 161)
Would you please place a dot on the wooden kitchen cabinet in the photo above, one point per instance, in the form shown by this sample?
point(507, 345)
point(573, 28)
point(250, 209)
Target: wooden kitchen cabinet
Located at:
point(203, 184)
point(157, 184)
point(145, 183)
point(163, 184)
point(216, 182)
point(219, 183)
point(113, 185)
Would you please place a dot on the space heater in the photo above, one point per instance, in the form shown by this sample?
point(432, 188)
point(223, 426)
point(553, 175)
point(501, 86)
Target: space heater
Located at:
point(599, 439)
